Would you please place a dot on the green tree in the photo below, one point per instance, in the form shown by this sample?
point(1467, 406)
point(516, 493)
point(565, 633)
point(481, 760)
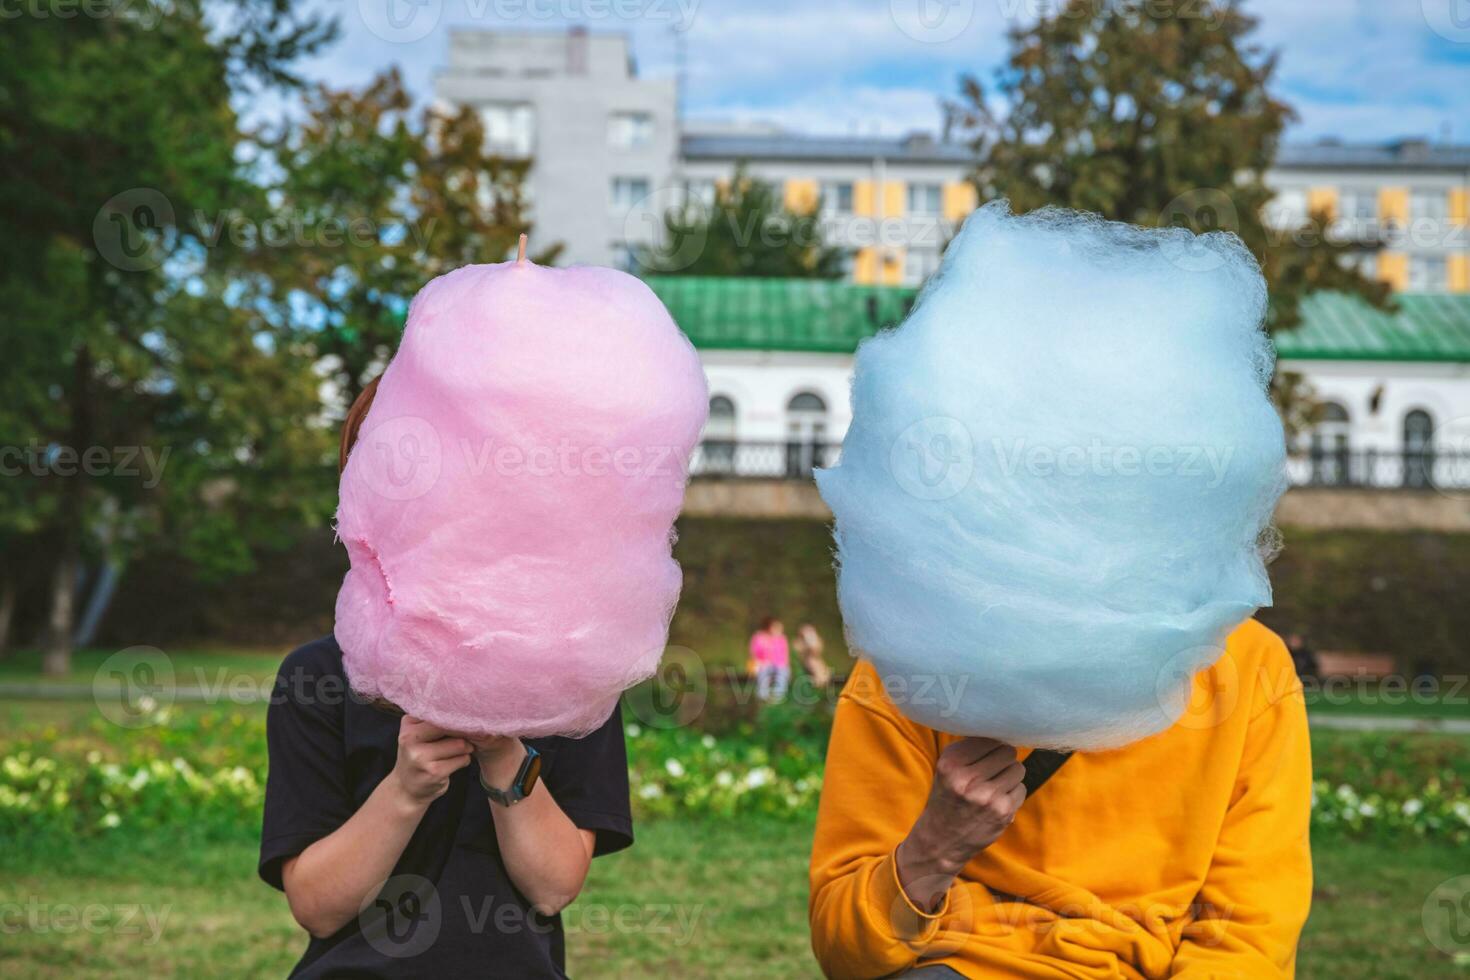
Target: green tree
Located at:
point(1154, 114)
point(381, 198)
point(123, 341)
point(748, 231)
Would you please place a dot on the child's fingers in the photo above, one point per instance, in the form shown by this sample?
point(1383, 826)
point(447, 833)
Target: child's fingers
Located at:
point(446, 748)
point(416, 730)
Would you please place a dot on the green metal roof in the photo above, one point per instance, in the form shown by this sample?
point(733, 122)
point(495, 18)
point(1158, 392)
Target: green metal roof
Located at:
point(832, 317)
point(735, 313)
point(1338, 327)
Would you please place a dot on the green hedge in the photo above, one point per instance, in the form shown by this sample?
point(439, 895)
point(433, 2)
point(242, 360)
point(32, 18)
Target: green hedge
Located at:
point(1391, 592)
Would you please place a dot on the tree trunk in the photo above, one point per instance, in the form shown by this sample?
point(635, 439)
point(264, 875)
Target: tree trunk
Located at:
point(57, 659)
point(8, 590)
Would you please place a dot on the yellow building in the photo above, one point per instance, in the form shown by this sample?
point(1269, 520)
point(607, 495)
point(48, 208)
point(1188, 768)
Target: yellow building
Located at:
point(1408, 203)
point(895, 203)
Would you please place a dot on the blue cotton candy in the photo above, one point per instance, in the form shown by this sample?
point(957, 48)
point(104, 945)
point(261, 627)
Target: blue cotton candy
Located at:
point(1052, 501)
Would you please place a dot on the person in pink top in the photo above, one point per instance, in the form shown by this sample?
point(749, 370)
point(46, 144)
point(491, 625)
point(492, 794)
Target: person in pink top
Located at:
point(772, 659)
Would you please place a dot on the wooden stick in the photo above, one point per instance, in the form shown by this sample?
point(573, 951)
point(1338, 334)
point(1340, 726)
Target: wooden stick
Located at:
point(521, 250)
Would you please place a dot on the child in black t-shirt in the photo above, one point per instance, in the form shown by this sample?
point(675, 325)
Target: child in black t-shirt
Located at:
point(406, 850)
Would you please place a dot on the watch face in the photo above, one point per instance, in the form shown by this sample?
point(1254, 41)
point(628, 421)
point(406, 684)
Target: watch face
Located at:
point(533, 773)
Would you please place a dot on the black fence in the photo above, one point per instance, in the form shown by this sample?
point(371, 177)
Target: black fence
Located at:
point(793, 460)
point(1367, 468)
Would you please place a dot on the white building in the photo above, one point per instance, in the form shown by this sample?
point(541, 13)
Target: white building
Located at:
point(1394, 388)
point(610, 155)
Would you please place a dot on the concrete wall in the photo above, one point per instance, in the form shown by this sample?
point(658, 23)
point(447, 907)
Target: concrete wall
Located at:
point(1377, 510)
point(1381, 510)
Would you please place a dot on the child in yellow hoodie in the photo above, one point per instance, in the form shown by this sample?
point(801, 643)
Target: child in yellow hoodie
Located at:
point(1182, 855)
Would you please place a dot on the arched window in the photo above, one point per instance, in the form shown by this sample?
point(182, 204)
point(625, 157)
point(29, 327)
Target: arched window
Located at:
point(806, 433)
point(719, 437)
point(1418, 448)
point(1332, 447)
point(806, 403)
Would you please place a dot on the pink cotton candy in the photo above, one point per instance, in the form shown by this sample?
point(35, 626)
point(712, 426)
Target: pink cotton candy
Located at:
point(508, 508)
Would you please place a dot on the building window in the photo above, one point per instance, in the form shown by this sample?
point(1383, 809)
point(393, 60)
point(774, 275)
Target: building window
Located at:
point(1331, 447)
point(510, 128)
point(837, 197)
point(718, 449)
point(625, 257)
point(628, 192)
point(924, 198)
point(1287, 209)
point(700, 192)
point(1428, 273)
point(1418, 448)
point(806, 434)
point(1366, 263)
point(1433, 205)
point(1358, 203)
point(630, 130)
point(919, 264)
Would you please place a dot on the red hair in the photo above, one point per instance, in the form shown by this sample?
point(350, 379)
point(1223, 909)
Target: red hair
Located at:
point(353, 423)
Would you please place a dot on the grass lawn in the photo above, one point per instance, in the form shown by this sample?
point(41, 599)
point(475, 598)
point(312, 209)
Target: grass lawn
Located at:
point(208, 669)
point(243, 676)
point(1392, 701)
point(693, 898)
point(696, 897)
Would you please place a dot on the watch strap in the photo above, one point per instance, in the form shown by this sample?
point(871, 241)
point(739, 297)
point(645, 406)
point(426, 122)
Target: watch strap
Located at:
point(520, 787)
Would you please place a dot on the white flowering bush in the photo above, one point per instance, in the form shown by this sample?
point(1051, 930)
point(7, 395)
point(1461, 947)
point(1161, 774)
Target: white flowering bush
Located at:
point(1429, 813)
point(39, 794)
point(682, 771)
point(203, 773)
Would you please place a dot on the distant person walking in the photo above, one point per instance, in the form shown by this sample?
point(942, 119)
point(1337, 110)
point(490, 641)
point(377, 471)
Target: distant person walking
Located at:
point(1303, 657)
point(772, 658)
point(809, 652)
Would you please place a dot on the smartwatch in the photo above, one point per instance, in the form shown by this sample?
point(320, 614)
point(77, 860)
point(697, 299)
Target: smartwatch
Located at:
point(521, 786)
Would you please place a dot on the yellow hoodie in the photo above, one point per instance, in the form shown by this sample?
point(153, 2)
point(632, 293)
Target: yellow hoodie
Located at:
point(1184, 855)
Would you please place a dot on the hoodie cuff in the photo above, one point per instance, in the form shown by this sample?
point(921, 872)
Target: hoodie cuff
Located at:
point(890, 904)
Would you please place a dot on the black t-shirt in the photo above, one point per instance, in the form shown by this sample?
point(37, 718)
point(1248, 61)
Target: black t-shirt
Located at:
point(450, 909)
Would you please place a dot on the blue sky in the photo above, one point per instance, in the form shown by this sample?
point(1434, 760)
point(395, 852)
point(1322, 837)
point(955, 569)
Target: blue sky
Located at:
point(1356, 69)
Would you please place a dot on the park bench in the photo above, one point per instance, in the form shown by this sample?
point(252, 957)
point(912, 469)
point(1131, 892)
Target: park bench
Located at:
point(1333, 663)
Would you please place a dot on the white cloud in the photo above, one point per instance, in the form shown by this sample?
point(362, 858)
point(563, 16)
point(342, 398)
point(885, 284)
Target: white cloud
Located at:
point(863, 110)
point(1358, 69)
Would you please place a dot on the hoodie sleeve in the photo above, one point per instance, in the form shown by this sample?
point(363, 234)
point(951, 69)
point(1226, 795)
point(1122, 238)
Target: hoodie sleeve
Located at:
point(879, 769)
point(1258, 890)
